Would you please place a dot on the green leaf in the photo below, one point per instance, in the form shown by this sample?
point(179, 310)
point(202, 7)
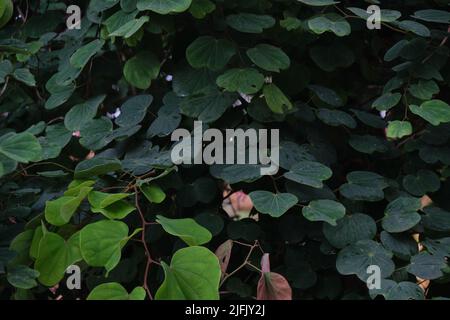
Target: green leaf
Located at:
point(210, 53)
point(163, 6)
point(110, 205)
point(350, 229)
point(99, 199)
point(140, 70)
point(336, 118)
point(332, 56)
point(387, 101)
point(187, 230)
point(324, 210)
point(25, 76)
point(7, 12)
point(81, 57)
point(432, 15)
point(414, 27)
point(96, 167)
point(269, 58)
point(368, 144)
point(193, 274)
point(129, 28)
point(309, 173)
point(208, 105)
point(327, 95)
point(134, 110)
point(250, 23)
point(433, 111)
point(424, 89)
point(22, 277)
point(101, 243)
point(423, 182)
point(330, 22)
point(115, 291)
point(364, 186)
point(275, 99)
point(59, 212)
point(318, 3)
point(153, 193)
point(21, 147)
point(427, 266)
point(201, 8)
point(436, 219)
point(82, 113)
point(355, 259)
point(385, 14)
point(401, 214)
point(399, 129)
point(392, 290)
point(54, 256)
point(248, 81)
point(273, 204)
point(402, 245)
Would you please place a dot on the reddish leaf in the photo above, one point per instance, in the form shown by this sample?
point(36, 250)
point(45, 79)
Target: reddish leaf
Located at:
point(223, 252)
point(273, 286)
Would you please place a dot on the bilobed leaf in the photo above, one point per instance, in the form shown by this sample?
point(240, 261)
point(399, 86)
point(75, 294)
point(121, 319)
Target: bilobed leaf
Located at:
point(248, 81)
point(95, 167)
point(163, 6)
point(25, 76)
point(133, 111)
point(424, 89)
point(330, 22)
point(404, 290)
point(101, 243)
point(209, 52)
point(22, 277)
point(129, 28)
point(201, 8)
point(186, 229)
point(385, 14)
point(355, 259)
point(387, 101)
point(350, 229)
point(193, 274)
point(21, 147)
point(433, 111)
point(423, 182)
point(327, 95)
point(82, 113)
point(427, 266)
point(141, 69)
point(250, 23)
point(336, 118)
point(115, 291)
point(276, 99)
point(309, 173)
point(274, 204)
point(398, 129)
point(364, 186)
point(81, 57)
point(269, 58)
point(401, 214)
point(367, 143)
point(436, 219)
point(324, 210)
point(433, 15)
point(54, 256)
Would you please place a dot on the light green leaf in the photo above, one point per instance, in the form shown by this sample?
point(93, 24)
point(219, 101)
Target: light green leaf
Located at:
point(187, 230)
point(398, 129)
point(153, 193)
point(54, 256)
point(101, 243)
point(115, 291)
point(129, 28)
point(330, 22)
point(324, 210)
point(193, 274)
point(273, 204)
point(433, 111)
point(275, 99)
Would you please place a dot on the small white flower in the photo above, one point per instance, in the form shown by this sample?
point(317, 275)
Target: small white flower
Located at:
point(246, 97)
point(114, 115)
point(237, 103)
point(383, 114)
point(169, 78)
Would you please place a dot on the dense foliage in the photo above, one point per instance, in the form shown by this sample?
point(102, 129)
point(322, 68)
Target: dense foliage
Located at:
point(87, 179)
